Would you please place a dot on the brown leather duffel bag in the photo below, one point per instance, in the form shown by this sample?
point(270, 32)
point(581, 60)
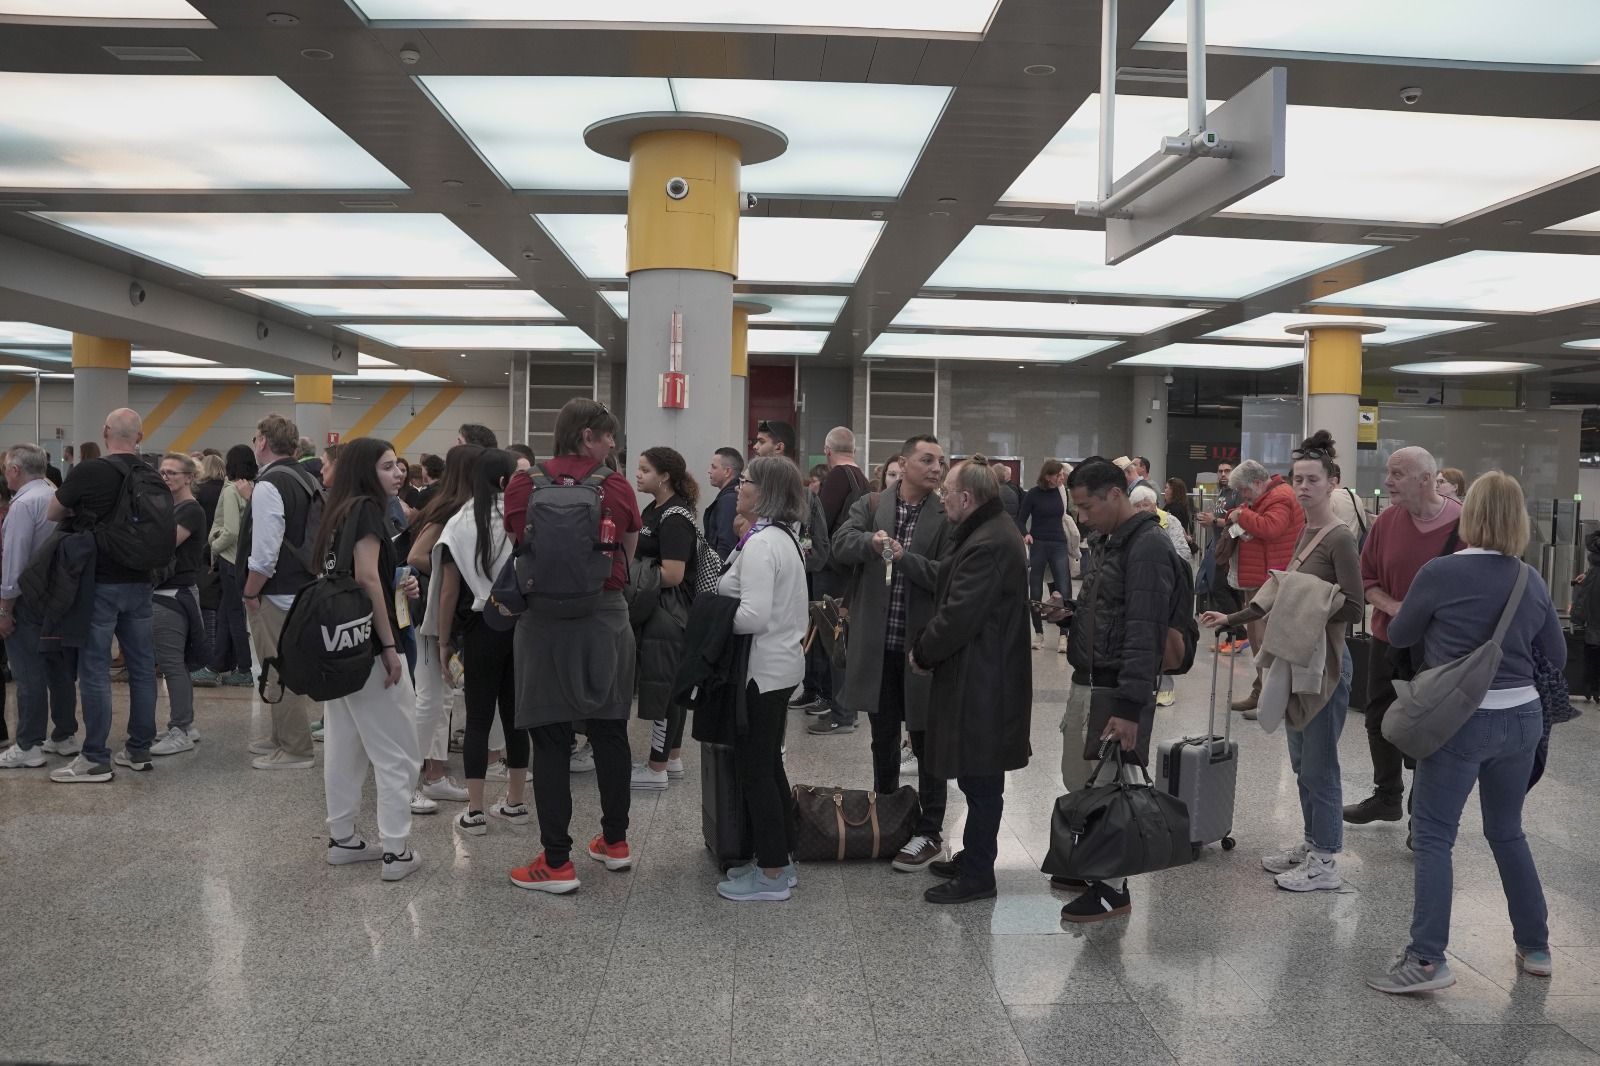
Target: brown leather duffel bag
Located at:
point(836, 824)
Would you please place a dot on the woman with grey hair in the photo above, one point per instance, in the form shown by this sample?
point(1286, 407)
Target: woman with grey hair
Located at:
point(767, 574)
point(1267, 525)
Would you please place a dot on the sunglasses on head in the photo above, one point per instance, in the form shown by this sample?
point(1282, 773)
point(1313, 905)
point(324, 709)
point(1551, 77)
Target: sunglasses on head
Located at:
point(1308, 453)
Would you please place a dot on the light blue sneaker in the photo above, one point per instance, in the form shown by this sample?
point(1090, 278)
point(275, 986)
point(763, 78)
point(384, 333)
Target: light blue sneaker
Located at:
point(1537, 963)
point(790, 873)
point(755, 885)
point(1410, 974)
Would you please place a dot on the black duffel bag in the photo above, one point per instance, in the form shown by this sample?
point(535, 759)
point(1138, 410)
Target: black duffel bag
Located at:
point(1118, 829)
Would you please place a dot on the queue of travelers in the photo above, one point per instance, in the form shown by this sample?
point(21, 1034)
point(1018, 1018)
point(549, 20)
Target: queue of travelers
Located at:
point(943, 566)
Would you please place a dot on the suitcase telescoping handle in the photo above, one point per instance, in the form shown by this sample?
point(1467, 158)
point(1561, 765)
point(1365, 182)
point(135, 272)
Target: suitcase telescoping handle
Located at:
point(1227, 717)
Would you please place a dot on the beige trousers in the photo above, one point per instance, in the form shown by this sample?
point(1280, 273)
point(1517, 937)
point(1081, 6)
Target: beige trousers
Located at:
point(291, 716)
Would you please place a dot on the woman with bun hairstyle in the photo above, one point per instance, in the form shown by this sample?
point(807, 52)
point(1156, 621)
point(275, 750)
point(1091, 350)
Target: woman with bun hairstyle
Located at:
point(1327, 550)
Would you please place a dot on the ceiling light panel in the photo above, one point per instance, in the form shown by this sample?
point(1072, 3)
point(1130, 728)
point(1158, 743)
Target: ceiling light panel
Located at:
point(1269, 328)
point(203, 373)
point(1342, 162)
point(787, 309)
point(19, 369)
point(1503, 282)
point(1565, 32)
point(998, 347)
point(290, 244)
point(29, 333)
point(365, 362)
point(927, 16)
point(1061, 260)
point(1589, 223)
point(773, 251)
point(106, 10)
point(787, 341)
point(845, 138)
point(158, 131)
point(380, 376)
point(1216, 357)
point(483, 338)
point(143, 357)
point(410, 303)
point(43, 355)
point(1457, 367)
point(1038, 317)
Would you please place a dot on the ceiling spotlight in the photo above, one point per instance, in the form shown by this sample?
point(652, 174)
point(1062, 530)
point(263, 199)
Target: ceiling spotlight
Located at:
point(1511, 222)
point(315, 53)
point(282, 18)
point(410, 56)
point(1038, 70)
point(452, 183)
point(938, 214)
point(463, 355)
point(875, 214)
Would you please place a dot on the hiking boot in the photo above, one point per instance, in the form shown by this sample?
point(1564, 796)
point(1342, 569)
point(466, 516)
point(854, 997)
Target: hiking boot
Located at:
point(1375, 808)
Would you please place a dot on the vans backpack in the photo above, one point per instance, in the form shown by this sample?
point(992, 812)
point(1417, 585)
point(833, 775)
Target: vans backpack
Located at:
point(326, 649)
point(141, 532)
point(561, 566)
point(707, 563)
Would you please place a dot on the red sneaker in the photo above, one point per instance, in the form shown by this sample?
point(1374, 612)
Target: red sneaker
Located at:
point(1225, 647)
point(540, 876)
point(615, 856)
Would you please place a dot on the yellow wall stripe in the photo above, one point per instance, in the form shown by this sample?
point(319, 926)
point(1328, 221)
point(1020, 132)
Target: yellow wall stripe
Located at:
point(15, 395)
point(377, 412)
point(207, 418)
point(426, 417)
point(169, 403)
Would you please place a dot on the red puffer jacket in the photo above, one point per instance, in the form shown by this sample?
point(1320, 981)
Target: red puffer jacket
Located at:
point(1274, 523)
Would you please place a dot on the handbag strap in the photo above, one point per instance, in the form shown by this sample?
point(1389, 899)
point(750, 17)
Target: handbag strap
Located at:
point(1512, 604)
point(1310, 547)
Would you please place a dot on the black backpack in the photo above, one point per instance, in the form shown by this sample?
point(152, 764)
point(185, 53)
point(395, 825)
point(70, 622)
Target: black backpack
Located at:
point(1181, 621)
point(326, 649)
point(316, 497)
point(141, 532)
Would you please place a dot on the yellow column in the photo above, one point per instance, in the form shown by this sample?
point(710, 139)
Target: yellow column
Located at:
point(99, 383)
point(698, 231)
point(313, 407)
point(1333, 383)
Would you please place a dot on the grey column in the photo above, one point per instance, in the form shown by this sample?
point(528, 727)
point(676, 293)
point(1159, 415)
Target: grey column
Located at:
point(705, 297)
point(1149, 419)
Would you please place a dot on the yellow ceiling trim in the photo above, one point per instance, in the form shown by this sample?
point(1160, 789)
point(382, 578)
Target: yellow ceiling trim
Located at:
point(207, 418)
point(426, 417)
point(377, 412)
point(164, 410)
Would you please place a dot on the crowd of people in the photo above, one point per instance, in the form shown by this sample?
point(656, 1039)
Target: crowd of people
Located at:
point(951, 575)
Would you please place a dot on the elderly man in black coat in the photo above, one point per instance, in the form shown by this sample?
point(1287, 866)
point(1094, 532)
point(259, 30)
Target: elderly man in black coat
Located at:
point(976, 645)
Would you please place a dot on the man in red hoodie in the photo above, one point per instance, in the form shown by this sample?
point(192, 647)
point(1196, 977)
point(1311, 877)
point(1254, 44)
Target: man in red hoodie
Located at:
point(1267, 526)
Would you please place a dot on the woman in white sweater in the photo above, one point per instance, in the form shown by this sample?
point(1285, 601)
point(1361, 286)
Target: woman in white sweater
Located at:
point(768, 575)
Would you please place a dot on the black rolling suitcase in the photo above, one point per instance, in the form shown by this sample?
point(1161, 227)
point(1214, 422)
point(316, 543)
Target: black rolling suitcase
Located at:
point(724, 822)
point(1360, 644)
point(1203, 771)
point(1573, 671)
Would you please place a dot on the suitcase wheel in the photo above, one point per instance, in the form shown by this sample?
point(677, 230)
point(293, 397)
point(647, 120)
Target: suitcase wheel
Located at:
point(1228, 843)
point(1196, 849)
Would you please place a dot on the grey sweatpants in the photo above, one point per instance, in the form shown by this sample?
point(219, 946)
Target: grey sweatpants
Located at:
point(170, 624)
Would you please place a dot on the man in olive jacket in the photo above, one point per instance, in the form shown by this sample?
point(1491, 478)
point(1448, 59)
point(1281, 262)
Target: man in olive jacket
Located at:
point(977, 648)
point(909, 524)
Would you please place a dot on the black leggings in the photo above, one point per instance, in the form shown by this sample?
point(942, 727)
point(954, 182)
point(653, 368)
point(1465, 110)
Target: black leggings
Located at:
point(487, 656)
point(758, 759)
point(552, 781)
point(666, 734)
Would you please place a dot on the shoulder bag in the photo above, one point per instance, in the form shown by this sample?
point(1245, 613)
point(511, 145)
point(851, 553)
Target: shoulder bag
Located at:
point(836, 824)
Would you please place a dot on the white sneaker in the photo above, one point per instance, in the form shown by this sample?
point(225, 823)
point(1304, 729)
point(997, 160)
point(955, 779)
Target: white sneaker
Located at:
point(80, 771)
point(69, 747)
point(396, 867)
point(499, 771)
point(1312, 875)
point(17, 757)
point(282, 760)
point(193, 734)
point(674, 768)
point(1038, 641)
point(1285, 860)
point(444, 789)
point(421, 804)
point(647, 779)
point(472, 823)
point(174, 741)
point(516, 815)
point(908, 757)
point(345, 854)
point(262, 747)
point(582, 760)
point(1061, 648)
point(318, 734)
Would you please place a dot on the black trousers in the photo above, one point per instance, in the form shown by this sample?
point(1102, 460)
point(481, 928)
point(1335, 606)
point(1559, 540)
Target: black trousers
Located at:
point(932, 792)
point(666, 735)
point(1591, 669)
point(980, 841)
point(1388, 762)
point(758, 760)
point(552, 781)
point(488, 657)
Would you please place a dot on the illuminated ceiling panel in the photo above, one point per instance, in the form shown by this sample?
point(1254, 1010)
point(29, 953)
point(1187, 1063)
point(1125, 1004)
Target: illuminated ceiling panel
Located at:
point(1061, 260)
point(774, 251)
point(29, 333)
point(787, 341)
point(1216, 357)
point(1565, 32)
point(1039, 317)
point(1269, 328)
point(928, 16)
point(391, 376)
point(105, 10)
point(1504, 282)
point(291, 244)
point(203, 373)
point(410, 303)
point(1004, 348)
point(1589, 223)
point(1455, 367)
point(469, 337)
point(787, 309)
point(845, 138)
point(162, 131)
point(144, 357)
point(1393, 176)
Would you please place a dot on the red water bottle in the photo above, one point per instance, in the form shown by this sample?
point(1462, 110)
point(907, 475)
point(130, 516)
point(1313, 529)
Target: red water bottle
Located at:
point(608, 534)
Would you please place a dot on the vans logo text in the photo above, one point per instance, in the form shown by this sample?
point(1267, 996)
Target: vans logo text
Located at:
point(347, 635)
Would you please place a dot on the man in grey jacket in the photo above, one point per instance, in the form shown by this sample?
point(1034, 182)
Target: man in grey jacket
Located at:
point(894, 541)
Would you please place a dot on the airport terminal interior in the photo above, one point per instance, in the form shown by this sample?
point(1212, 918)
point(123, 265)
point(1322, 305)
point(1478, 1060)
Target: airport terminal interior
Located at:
point(1038, 230)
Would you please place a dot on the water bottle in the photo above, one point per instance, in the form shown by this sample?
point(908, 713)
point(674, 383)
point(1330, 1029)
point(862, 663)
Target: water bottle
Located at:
point(608, 534)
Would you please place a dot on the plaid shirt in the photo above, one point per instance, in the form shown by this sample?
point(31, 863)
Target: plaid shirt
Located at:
point(905, 526)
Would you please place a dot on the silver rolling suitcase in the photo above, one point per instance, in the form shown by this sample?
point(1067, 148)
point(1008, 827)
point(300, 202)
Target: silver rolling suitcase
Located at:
point(1203, 772)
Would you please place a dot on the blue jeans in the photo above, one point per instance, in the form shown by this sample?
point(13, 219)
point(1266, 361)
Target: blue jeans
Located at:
point(1314, 756)
point(1051, 554)
point(45, 686)
point(1494, 751)
point(123, 610)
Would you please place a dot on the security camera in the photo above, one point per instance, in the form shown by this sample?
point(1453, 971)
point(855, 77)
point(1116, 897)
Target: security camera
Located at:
point(261, 331)
point(1410, 95)
point(410, 56)
point(338, 353)
point(1167, 380)
point(750, 201)
point(677, 188)
point(135, 294)
point(530, 255)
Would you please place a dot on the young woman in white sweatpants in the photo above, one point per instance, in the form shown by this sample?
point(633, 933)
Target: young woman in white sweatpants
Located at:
point(376, 725)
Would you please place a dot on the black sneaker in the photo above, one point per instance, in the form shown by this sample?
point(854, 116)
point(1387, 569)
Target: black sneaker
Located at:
point(818, 708)
point(947, 869)
point(133, 760)
point(1375, 808)
point(1068, 884)
point(1099, 903)
point(958, 891)
point(829, 725)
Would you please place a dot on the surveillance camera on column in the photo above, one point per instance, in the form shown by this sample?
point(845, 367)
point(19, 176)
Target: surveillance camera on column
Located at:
point(748, 201)
point(677, 188)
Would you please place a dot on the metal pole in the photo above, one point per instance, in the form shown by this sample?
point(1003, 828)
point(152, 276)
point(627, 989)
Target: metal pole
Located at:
point(37, 393)
point(1108, 94)
point(1197, 68)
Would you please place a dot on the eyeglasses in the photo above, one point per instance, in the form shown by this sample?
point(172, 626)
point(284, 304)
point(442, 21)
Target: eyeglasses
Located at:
point(173, 473)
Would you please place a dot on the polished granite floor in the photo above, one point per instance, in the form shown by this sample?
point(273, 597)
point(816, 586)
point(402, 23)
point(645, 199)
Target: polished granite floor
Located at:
point(187, 916)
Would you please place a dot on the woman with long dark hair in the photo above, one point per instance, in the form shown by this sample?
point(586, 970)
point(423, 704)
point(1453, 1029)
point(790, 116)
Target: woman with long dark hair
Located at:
point(434, 691)
point(1041, 518)
point(1176, 497)
point(667, 541)
point(472, 550)
point(375, 725)
point(230, 656)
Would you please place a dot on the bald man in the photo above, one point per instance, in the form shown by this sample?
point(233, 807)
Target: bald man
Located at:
point(122, 607)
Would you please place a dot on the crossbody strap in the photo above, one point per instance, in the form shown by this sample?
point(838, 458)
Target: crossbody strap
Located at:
point(1513, 603)
point(1305, 553)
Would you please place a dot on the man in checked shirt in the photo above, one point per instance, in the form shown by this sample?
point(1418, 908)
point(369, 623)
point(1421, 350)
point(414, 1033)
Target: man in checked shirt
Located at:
point(894, 541)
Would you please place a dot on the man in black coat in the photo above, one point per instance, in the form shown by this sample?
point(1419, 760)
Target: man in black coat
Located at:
point(976, 646)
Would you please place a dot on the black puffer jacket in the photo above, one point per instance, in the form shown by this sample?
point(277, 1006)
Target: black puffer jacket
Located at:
point(1120, 625)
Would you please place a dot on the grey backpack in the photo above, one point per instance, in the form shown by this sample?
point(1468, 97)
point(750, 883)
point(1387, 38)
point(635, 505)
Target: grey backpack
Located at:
point(1433, 706)
point(562, 566)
